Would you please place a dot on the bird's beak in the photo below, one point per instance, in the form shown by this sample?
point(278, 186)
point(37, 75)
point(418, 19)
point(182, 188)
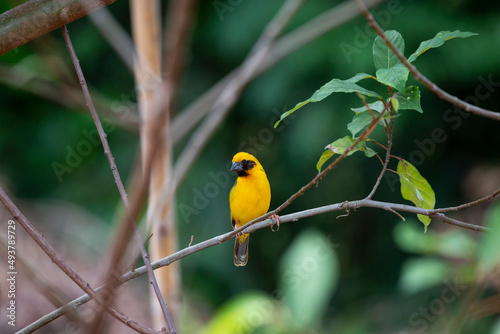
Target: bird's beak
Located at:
point(236, 167)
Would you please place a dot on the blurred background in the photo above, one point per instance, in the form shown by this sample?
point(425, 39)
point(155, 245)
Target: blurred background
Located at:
point(358, 272)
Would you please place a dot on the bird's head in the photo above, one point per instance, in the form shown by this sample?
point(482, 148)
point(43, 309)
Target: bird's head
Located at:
point(245, 164)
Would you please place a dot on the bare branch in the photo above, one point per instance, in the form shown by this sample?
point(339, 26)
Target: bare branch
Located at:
point(59, 261)
point(232, 91)
point(116, 36)
point(35, 18)
point(191, 249)
point(459, 223)
point(45, 286)
point(156, 147)
point(387, 155)
point(178, 28)
point(473, 203)
point(121, 189)
point(284, 46)
point(318, 177)
point(420, 77)
point(65, 94)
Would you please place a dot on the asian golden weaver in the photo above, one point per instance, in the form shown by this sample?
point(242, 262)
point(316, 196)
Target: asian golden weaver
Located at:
point(249, 199)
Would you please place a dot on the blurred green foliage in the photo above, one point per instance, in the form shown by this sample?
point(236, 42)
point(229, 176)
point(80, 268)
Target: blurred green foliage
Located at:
point(381, 271)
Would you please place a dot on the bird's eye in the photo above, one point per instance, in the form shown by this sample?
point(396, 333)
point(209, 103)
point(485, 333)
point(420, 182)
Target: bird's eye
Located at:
point(243, 162)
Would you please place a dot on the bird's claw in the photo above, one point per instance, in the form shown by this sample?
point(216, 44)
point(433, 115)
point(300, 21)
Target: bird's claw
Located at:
point(238, 234)
point(276, 218)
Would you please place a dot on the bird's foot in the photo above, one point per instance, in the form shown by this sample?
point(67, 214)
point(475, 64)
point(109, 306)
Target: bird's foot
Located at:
point(276, 218)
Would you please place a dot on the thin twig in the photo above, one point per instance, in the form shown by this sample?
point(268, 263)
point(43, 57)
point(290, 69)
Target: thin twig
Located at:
point(178, 28)
point(487, 307)
point(468, 205)
point(45, 285)
point(64, 94)
point(377, 143)
point(420, 77)
point(156, 146)
point(59, 261)
point(116, 176)
point(116, 36)
point(458, 223)
point(369, 129)
point(191, 249)
point(284, 46)
point(387, 156)
point(396, 213)
point(232, 91)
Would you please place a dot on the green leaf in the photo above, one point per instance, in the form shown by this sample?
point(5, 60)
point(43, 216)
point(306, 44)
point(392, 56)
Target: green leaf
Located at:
point(334, 86)
point(340, 86)
point(383, 57)
point(284, 115)
point(363, 117)
point(309, 277)
point(370, 152)
point(377, 106)
point(410, 100)
point(439, 40)
point(340, 146)
point(359, 122)
point(234, 315)
point(409, 238)
point(451, 244)
point(323, 158)
point(395, 76)
point(395, 103)
point(390, 71)
point(422, 273)
point(489, 248)
point(415, 188)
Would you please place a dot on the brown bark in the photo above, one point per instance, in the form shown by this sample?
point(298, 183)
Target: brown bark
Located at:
point(35, 18)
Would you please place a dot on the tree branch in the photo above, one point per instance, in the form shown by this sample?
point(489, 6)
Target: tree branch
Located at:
point(292, 217)
point(65, 94)
point(178, 27)
point(258, 221)
point(468, 205)
point(420, 77)
point(458, 223)
point(116, 36)
point(320, 175)
point(116, 175)
point(156, 147)
point(35, 18)
point(232, 91)
point(387, 153)
point(284, 46)
point(59, 261)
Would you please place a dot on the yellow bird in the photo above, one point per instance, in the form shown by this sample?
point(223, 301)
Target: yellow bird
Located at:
point(249, 199)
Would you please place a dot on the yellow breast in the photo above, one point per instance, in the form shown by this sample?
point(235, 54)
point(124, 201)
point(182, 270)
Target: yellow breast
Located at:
point(250, 197)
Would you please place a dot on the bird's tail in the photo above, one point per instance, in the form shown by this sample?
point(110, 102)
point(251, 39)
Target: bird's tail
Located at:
point(241, 250)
